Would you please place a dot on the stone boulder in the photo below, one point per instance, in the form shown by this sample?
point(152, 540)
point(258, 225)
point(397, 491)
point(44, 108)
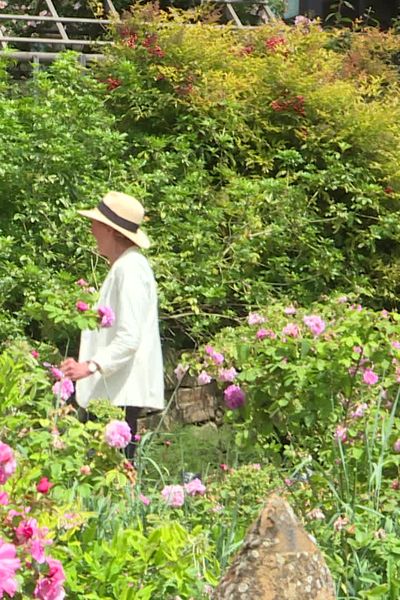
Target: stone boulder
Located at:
point(278, 561)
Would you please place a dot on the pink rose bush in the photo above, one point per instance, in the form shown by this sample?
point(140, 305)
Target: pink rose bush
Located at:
point(117, 434)
point(23, 545)
point(64, 388)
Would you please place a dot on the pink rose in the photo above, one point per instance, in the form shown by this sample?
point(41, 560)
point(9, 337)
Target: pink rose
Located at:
point(44, 486)
point(63, 389)
point(82, 306)
point(203, 378)
point(291, 330)
point(35, 354)
point(50, 587)
point(9, 564)
point(227, 375)
point(85, 470)
point(118, 434)
point(8, 463)
point(195, 487)
point(173, 495)
point(106, 315)
point(234, 397)
point(146, 501)
point(369, 377)
point(3, 498)
point(315, 324)
point(82, 283)
point(255, 319)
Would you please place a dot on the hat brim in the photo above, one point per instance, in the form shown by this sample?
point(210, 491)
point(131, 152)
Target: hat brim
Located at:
point(138, 237)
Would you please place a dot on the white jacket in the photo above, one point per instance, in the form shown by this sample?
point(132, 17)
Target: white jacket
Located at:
point(128, 353)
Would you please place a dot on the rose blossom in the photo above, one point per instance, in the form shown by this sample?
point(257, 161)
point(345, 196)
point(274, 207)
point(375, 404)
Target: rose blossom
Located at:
point(82, 306)
point(340, 523)
point(180, 371)
point(195, 487)
point(234, 397)
point(9, 563)
point(265, 333)
point(85, 470)
point(359, 411)
point(173, 495)
point(291, 330)
point(44, 486)
point(82, 283)
point(255, 319)
point(50, 587)
point(396, 445)
point(63, 388)
point(106, 315)
point(3, 499)
point(315, 324)
point(227, 375)
point(203, 378)
point(341, 434)
point(117, 434)
point(369, 377)
point(35, 354)
point(316, 514)
point(215, 356)
point(56, 372)
point(8, 463)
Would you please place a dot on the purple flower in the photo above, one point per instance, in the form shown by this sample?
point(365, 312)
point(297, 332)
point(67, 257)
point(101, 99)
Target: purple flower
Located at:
point(396, 345)
point(291, 330)
point(64, 388)
point(255, 319)
point(342, 299)
point(357, 350)
point(227, 375)
point(107, 316)
point(290, 310)
point(369, 377)
point(396, 445)
point(117, 434)
point(82, 306)
point(195, 487)
point(203, 378)
point(315, 324)
point(174, 495)
point(146, 501)
point(234, 397)
point(8, 464)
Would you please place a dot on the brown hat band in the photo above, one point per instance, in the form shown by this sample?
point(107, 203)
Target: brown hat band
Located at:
point(116, 219)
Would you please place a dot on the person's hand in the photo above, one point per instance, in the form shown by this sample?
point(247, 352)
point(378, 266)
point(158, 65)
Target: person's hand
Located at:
point(74, 370)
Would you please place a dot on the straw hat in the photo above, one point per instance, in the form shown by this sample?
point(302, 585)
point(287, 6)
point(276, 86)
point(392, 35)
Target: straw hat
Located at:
point(123, 213)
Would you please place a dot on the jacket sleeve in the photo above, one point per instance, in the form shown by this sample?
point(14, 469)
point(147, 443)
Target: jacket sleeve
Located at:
point(131, 304)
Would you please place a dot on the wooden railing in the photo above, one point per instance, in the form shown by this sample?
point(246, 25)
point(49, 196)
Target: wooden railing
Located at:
point(38, 49)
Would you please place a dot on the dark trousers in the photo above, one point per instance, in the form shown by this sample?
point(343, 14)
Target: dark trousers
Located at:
point(131, 417)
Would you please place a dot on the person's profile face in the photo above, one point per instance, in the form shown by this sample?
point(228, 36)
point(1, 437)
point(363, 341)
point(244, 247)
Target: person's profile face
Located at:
point(104, 237)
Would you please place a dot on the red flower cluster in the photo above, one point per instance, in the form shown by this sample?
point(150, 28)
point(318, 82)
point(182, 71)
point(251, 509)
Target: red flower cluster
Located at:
point(274, 42)
point(247, 50)
point(295, 104)
point(112, 83)
point(150, 42)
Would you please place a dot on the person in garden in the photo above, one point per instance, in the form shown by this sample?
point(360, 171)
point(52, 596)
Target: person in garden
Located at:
point(122, 359)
